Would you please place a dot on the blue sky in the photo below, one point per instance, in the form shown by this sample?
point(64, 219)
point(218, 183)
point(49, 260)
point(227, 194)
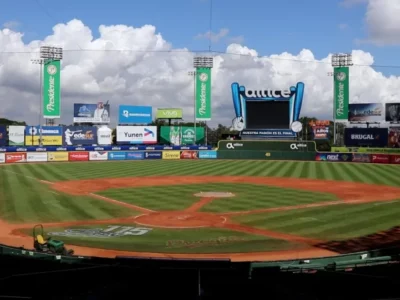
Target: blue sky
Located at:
point(270, 27)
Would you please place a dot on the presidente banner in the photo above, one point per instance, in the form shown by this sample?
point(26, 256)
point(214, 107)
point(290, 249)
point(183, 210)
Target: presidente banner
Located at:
point(129, 114)
point(394, 137)
point(371, 137)
point(79, 135)
point(203, 94)
point(288, 146)
point(3, 136)
point(341, 93)
point(51, 135)
point(392, 112)
point(169, 113)
point(52, 90)
point(338, 157)
point(92, 113)
point(181, 135)
point(16, 135)
point(136, 134)
point(366, 112)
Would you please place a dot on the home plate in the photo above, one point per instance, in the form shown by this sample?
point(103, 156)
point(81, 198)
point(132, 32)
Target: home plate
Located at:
point(214, 194)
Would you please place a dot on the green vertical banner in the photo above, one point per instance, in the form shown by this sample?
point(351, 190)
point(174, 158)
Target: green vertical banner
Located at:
point(203, 94)
point(51, 90)
point(341, 93)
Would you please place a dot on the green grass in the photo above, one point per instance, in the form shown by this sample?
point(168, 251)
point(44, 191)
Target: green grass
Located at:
point(247, 196)
point(337, 222)
point(160, 240)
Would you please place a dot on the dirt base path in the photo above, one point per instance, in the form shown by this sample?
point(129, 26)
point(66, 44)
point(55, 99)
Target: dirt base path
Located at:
point(350, 193)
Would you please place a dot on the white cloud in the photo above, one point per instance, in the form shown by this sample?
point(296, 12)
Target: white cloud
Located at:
point(383, 22)
point(136, 66)
point(12, 25)
point(214, 36)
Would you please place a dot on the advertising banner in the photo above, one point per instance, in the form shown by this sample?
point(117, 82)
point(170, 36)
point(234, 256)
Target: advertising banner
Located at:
point(361, 157)
point(36, 157)
point(129, 114)
point(171, 155)
point(203, 94)
point(320, 132)
point(169, 113)
point(136, 134)
point(153, 155)
point(98, 155)
point(341, 93)
point(366, 112)
point(79, 135)
point(267, 146)
point(370, 137)
point(395, 159)
point(16, 157)
point(3, 136)
point(207, 154)
point(2, 158)
point(51, 135)
point(189, 154)
point(181, 135)
point(380, 158)
point(52, 90)
point(78, 156)
point(134, 155)
point(392, 112)
point(338, 157)
point(16, 135)
point(116, 155)
point(92, 113)
point(57, 156)
point(394, 137)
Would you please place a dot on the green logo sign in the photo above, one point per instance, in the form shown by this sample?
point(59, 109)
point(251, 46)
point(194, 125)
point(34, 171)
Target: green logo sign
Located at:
point(341, 93)
point(203, 94)
point(290, 146)
point(181, 135)
point(51, 90)
point(169, 113)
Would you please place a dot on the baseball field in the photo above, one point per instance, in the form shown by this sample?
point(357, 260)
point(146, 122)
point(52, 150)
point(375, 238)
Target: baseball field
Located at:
point(243, 210)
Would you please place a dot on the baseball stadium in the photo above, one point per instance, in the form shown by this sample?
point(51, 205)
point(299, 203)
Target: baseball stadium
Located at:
point(152, 194)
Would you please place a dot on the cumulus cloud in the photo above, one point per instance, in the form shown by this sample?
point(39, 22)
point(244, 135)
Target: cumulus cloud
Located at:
point(214, 36)
point(137, 66)
point(383, 22)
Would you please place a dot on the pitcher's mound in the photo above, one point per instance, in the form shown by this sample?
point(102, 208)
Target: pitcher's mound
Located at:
point(215, 194)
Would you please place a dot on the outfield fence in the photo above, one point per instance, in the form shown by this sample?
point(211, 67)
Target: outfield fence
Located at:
point(235, 150)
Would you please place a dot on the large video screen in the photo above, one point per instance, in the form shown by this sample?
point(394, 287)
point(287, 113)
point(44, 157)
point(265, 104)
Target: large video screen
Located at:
point(267, 115)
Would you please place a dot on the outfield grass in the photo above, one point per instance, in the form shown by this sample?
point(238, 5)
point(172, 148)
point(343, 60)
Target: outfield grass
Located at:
point(24, 199)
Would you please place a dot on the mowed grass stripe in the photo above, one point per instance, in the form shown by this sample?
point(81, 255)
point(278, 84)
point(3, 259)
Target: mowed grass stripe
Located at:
point(7, 201)
point(386, 174)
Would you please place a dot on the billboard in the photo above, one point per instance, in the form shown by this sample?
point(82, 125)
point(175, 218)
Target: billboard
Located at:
point(136, 134)
point(169, 113)
point(341, 93)
point(57, 156)
point(16, 135)
point(116, 155)
point(380, 158)
point(262, 108)
point(78, 156)
point(395, 159)
point(92, 113)
point(392, 112)
point(181, 135)
point(203, 94)
point(3, 135)
point(36, 157)
point(129, 114)
point(334, 157)
point(79, 135)
point(134, 155)
point(320, 129)
point(52, 90)
point(98, 155)
point(361, 157)
point(368, 137)
point(394, 137)
point(17, 157)
point(153, 155)
point(208, 154)
point(171, 155)
point(51, 135)
point(2, 158)
point(366, 112)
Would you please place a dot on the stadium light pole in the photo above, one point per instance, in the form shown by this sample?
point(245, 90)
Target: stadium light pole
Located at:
point(47, 54)
point(338, 60)
point(200, 62)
